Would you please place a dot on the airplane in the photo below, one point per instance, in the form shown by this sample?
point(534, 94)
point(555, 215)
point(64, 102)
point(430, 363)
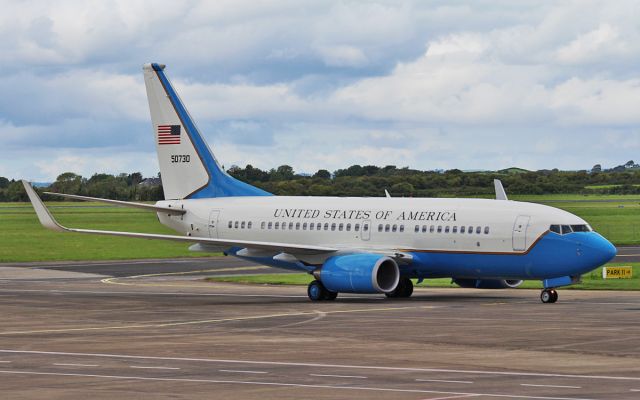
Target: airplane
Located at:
point(350, 244)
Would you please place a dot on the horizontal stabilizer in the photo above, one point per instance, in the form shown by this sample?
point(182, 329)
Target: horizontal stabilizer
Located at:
point(148, 207)
point(47, 220)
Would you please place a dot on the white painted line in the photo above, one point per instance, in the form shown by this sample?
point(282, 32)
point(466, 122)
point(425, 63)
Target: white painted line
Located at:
point(453, 397)
point(552, 386)
point(634, 390)
point(237, 371)
point(5, 362)
point(340, 376)
point(317, 365)
point(285, 384)
point(143, 367)
point(443, 381)
point(75, 365)
point(106, 292)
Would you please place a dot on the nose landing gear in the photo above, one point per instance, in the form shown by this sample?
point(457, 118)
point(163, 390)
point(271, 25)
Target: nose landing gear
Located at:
point(549, 296)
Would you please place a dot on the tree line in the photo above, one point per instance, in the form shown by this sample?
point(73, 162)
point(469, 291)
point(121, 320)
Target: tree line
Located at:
point(357, 180)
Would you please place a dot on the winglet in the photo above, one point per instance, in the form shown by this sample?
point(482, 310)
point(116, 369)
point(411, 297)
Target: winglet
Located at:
point(45, 217)
point(386, 193)
point(500, 193)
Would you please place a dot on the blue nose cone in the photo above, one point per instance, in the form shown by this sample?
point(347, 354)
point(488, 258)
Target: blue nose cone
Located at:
point(602, 250)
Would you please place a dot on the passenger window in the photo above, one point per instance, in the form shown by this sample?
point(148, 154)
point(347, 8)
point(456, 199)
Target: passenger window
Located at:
point(470, 230)
point(242, 225)
point(555, 229)
point(380, 228)
point(431, 229)
point(304, 226)
point(249, 225)
point(478, 229)
point(394, 228)
point(455, 229)
point(297, 226)
point(284, 226)
point(270, 225)
point(230, 224)
point(348, 227)
point(401, 228)
point(340, 227)
point(486, 230)
point(356, 227)
point(462, 229)
point(424, 228)
point(277, 225)
point(333, 226)
point(439, 228)
point(235, 224)
point(416, 229)
point(262, 224)
point(566, 229)
point(311, 226)
point(365, 227)
point(387, 228)
point(290, 226)
point(446, 229)
point(326, 226)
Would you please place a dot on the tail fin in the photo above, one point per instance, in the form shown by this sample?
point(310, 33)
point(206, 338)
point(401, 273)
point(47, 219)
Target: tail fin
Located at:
point(188, 168)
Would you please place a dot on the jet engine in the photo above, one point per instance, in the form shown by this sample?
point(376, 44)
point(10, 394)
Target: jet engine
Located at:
point(487, 283)
point(359, 273)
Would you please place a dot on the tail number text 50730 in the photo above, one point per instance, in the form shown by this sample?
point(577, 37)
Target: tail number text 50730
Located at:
point(180, 158)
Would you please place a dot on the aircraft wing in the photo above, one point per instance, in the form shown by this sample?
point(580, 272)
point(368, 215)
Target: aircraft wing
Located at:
point(47, 220)
point(149, 207)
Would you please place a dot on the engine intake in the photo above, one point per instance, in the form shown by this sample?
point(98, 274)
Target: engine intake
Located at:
point(360, 273)
point(487, 283)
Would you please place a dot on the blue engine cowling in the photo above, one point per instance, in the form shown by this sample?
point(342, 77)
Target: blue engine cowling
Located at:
point(360, 273)
point(487, 283)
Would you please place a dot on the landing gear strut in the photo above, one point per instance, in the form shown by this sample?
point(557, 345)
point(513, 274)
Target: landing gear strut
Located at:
point(404, 289)
point(549, 296)
point(317, 292)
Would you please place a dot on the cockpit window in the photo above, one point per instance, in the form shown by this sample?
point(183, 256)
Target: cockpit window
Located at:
point(564, 229)
point(581, 228)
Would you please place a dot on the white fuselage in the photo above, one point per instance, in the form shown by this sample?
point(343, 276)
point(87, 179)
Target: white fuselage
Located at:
point(377, 224)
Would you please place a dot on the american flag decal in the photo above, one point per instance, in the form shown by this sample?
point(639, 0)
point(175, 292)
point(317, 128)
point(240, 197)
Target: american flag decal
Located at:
point(168, 134)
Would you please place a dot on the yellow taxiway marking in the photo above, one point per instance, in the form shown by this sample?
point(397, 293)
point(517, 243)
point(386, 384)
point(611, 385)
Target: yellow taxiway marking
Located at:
point(210, 321)
point(114, 281)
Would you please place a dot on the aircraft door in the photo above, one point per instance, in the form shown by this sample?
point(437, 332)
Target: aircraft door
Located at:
point(213, 224)
point(365, 233)
point(520, 233)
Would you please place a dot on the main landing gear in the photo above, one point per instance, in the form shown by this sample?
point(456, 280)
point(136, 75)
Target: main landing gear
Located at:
point(549, 296)
point(404, 289)
point(317, 292)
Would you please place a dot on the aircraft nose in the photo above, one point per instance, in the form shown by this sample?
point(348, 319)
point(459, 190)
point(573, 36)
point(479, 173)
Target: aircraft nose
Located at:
point(604, 250)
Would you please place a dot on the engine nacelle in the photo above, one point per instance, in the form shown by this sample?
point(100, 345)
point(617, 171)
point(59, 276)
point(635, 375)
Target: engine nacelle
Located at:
point(360, 273)
point(487, 283)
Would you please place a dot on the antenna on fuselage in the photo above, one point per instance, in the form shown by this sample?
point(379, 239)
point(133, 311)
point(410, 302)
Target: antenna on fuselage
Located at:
point(500, 193)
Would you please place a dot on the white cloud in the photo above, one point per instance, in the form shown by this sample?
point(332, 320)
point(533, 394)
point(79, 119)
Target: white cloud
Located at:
point(425, 84)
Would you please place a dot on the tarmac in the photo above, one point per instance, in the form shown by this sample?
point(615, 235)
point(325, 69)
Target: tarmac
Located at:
point(156, 329)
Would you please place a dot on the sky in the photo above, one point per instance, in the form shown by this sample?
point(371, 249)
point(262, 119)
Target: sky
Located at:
point(323, 84)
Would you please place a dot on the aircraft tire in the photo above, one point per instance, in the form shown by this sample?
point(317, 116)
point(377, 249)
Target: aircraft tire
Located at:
point(329, 295)
point(549, 296)
point(316, 291)
point(403, 290)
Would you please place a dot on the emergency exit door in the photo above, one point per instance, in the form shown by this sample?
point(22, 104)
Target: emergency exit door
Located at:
point(520, 233)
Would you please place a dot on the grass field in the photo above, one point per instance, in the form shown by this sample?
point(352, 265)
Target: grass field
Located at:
point(591, 281)
point(23, 239)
